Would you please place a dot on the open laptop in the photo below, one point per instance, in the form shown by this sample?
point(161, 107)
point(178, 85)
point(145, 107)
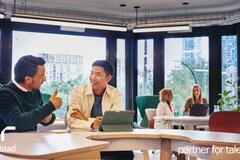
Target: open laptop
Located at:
point(199, 109)
point(115, 121)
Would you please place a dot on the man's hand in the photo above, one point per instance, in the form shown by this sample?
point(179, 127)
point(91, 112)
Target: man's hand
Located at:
point(96, 123)
point(56, 101)
point(47, 119)
point(78, 114)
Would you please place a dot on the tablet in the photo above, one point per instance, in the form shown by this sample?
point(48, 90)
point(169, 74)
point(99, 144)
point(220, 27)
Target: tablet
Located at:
point(116, 121)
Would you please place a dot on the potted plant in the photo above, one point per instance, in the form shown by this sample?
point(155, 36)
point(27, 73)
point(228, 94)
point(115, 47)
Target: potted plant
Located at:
point(229, 100)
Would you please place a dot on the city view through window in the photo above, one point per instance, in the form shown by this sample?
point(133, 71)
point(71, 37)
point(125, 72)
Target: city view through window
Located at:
point(186, 63)
point(68, 59)
point(229, 69)
point(145, 67)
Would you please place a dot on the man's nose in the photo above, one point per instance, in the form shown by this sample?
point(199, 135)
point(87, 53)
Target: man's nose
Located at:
point(93, 76)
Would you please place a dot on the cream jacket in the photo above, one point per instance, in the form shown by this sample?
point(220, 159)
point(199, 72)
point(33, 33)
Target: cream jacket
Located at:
point(82, 98)
point(163, 110)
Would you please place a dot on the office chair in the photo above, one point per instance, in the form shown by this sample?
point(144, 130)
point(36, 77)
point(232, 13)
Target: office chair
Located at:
point(150, 113)
point(144, 102)
point(225, 122)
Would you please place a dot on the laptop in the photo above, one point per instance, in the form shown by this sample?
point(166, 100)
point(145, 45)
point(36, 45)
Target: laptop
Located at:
point(199, 109)
point(115, 121)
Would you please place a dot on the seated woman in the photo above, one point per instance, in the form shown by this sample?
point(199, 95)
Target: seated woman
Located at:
point(165, 107)
point(195, 99)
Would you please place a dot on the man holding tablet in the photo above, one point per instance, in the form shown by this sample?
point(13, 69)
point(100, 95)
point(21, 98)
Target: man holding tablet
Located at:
point(87, 103)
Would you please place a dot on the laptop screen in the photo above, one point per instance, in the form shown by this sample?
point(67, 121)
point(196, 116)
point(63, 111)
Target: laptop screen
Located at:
point(199, 109)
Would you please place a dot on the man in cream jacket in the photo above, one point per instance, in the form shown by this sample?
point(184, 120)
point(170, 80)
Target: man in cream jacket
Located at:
point(87, 103)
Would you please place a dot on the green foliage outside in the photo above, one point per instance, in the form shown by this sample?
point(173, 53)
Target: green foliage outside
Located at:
point(229, 99)
point(64, 89)
point(181, 80)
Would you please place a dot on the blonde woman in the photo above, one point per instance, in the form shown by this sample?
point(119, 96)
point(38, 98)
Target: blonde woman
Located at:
point(195, 99)
point(165, 107)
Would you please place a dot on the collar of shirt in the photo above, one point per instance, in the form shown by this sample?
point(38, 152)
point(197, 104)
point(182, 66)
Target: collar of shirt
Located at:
point(19, 86)
point(89, 90)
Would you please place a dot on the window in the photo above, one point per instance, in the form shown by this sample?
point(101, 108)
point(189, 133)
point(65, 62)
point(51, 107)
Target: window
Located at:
point(229, 64)
point(68, 59)
point(121, 78)
point(145, 67)
point(186, 63)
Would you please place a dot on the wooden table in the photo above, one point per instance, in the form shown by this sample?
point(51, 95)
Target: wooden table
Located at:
point(170, 140)
point(51, 145)
point(57, 146)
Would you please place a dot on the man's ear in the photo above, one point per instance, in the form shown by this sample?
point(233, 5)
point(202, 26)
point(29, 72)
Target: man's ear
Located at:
point(109, 77)
point(28, 80)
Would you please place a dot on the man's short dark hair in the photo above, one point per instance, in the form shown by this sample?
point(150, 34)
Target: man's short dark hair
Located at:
point(27, 66)
point(106, 65)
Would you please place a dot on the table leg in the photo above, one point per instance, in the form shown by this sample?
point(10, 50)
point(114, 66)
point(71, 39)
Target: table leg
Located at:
point(145, 155)
point(166, 153)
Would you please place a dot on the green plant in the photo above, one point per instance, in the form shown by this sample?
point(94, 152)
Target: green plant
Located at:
point(229, 98)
